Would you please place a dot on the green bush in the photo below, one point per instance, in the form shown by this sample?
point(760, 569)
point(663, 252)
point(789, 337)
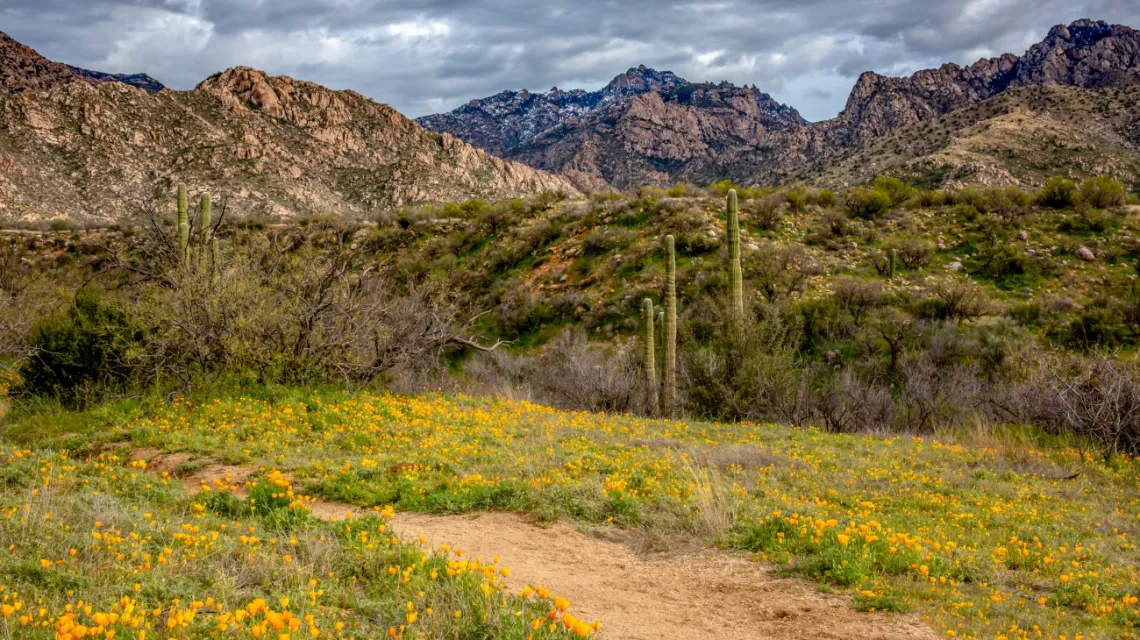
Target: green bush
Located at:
point(825, 198)
point(898, 191)
point(866, 203)
point(1095, 328)
point(1058, 193)
point(1102, 192)
point(83, 351)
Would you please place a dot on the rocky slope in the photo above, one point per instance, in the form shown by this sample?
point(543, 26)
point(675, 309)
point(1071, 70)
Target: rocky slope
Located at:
point(643, 127)
point(682, 131)
point(1021, 136)
point(266, 145)
point(22, 69)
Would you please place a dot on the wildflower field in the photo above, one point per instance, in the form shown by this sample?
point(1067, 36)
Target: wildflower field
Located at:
point(94, 547)
point(997, 538)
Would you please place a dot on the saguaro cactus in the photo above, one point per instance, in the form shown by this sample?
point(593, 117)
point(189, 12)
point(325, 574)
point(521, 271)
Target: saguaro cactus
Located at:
point(670, 373)
point(650, 357)
point(215, 256)
point(203, 220)
point(183, 224)
point(735, 274)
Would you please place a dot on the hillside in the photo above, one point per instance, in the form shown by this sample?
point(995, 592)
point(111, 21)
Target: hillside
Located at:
point(271, 146)
point(682, 131)
point(1020, 136)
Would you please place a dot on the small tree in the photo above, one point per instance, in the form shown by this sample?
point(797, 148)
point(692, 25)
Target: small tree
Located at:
point(1102, 192)
point(1058, 193)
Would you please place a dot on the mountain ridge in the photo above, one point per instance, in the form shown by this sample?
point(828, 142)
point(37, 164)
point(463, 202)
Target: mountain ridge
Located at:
point(661, 140)
point(77, 149)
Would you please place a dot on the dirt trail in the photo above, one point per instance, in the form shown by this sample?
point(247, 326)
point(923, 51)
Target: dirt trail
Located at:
point(683, 596)
point(690, 596)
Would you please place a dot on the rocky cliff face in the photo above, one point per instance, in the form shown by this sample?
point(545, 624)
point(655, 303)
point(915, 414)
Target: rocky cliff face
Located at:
point(269, 145)
point(645, 126)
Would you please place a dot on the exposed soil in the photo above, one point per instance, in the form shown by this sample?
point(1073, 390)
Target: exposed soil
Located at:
point(704, 594)
point(689, 595)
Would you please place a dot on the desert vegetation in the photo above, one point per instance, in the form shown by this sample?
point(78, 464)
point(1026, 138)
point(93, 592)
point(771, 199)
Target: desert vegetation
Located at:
point(927, 398)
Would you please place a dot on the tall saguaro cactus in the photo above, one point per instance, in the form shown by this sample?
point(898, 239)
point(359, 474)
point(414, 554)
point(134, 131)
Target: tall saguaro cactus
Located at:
point(650, 357)
point(183, 224)
point(670, 373)
point(735, 273)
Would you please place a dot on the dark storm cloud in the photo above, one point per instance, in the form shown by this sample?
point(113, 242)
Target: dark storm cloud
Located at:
point(431, 56)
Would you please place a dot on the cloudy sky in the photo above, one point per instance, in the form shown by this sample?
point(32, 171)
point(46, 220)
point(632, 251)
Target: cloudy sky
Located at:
point(430, 56)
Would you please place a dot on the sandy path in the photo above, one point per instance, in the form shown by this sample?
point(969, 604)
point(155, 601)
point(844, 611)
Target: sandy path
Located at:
point(701, 595)
point(708, 594)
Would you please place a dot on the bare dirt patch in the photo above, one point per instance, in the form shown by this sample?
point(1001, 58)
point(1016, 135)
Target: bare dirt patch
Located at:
point(702, 594)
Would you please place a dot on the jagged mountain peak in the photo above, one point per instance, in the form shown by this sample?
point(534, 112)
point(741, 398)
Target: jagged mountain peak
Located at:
point(706, 117)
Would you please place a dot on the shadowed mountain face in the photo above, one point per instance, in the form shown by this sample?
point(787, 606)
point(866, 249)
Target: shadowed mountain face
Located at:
point(78, 147)
point(662, 129)
point(140, 80)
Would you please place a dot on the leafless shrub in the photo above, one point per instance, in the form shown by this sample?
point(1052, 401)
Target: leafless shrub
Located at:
point(933, 397)
point(858, 297)
point(766, 212)
point(850, 405)
point(574, 374)
point(779, 271)
point(1097, 399)
point(963, 299)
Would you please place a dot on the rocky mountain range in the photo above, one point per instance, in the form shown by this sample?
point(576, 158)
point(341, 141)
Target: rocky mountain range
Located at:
point(669, 131)
point(89, 149)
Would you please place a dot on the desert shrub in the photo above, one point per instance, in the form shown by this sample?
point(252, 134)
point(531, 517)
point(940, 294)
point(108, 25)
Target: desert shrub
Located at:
point(1095, 328)
point(866, 203)
point(849, 404)
point(797, 197)
point(825, 198)
point(858, 297)
point(606, 239)
point(80, 354)
point(897, 190)
point(738, 370)
point(912, 252)
point(572, 373)
point(779, 271)
point(1097, 399)
point(766, 212)
point(930, 198)
point(1102, 192)
point(1058, 193)
point(962, 298)
point(973, 197)
point(1009, 203)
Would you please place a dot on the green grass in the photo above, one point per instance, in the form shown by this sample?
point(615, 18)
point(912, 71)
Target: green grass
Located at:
point(977, 533)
